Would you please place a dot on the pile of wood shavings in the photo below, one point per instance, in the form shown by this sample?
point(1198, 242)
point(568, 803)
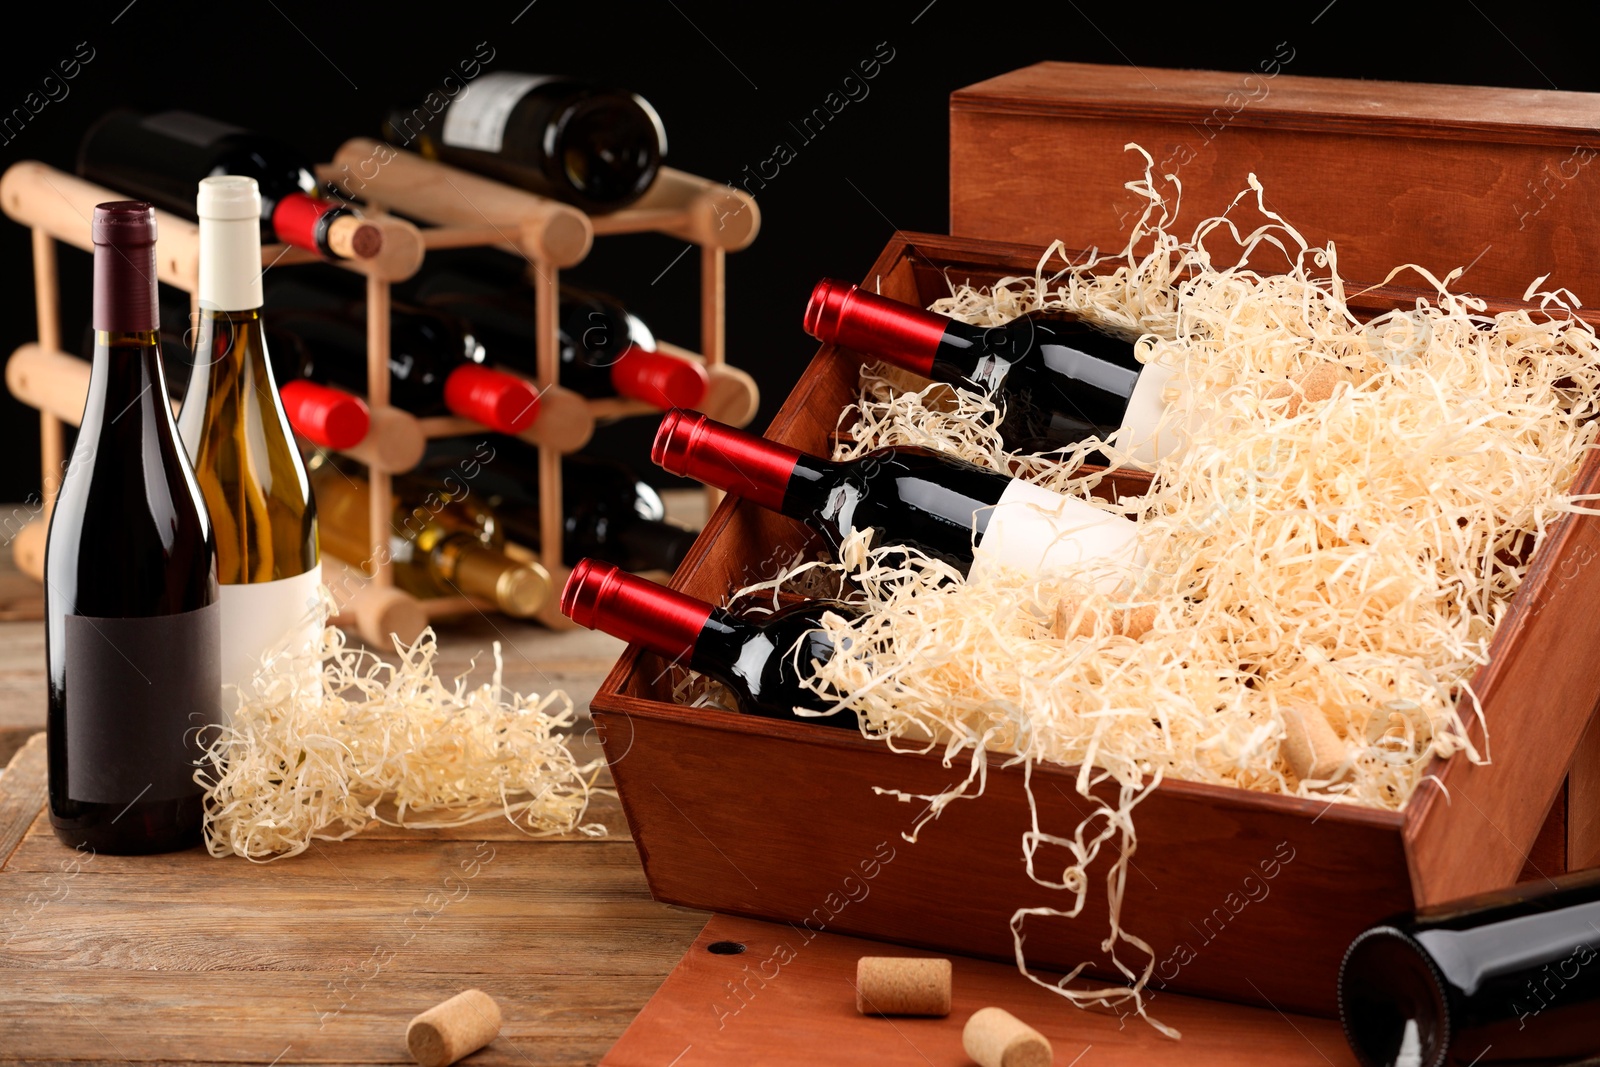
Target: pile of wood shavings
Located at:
point(368, 742)
point(1351, 554)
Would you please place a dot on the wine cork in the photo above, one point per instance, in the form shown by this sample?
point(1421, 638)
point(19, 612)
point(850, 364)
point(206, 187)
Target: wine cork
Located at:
point(458, 1027)
point(1310, 744)
point(896, 985)
point(994, 1037)
point(1125, 622)
point(1315, 385)
point(352, 237)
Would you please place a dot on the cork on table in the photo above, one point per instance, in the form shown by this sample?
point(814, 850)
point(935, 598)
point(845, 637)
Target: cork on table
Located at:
point(325, 957)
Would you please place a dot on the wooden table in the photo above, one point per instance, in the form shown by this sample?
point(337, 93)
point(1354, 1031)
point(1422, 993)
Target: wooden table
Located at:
point(322, 958)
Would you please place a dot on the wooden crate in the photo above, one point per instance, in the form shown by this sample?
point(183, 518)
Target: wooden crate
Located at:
point(779, 820)
point(1441, 175)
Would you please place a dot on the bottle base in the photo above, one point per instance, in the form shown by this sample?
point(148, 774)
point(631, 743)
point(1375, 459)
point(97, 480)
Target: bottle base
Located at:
point(140, 829)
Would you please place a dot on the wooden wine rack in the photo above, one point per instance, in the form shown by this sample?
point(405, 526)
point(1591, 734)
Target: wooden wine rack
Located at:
point(460, 210)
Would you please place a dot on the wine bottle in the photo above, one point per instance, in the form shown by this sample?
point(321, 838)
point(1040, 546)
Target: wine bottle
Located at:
point(1505, 977)
point(132, 619)
point(435, 363)
point(161, 157)
point(441, 547)
point(973, 518)
point(327, 417)
point(763, 661)
point(245, 460)
point(591, 146)
point(609, 513)
point(605, 349)
point(1059, 379)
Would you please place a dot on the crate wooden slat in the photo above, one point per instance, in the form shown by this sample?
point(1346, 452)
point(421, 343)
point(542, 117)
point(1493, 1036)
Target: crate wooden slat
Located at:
point(719, 802)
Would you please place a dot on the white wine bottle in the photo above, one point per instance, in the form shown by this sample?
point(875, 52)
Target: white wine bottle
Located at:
point(238, 439)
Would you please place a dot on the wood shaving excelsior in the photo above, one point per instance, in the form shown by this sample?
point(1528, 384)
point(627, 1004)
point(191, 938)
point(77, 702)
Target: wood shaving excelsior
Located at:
point(321, 756)
point(1347, 544)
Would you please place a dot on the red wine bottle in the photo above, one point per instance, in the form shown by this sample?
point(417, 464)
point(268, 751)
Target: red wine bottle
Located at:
point(435, 364)
point(609, 513)
point(595, 147)
point(162, 157)
point(605, 349)
point(968, 516)
point(132, 615)
point(1059, 379)
point(1505, 977)
point(763, 661)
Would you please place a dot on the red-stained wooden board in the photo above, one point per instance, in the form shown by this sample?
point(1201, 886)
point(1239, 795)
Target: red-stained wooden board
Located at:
point(786, 1001)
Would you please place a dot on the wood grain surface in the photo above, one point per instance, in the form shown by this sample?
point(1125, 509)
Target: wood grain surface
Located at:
point(325, 957)
point(789, 1001)
point(322, 958)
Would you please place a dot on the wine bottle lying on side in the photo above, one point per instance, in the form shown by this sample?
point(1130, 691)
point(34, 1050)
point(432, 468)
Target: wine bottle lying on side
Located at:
point(764, 661)
point(443, 548)
point(435, 364)
point(161, 158)
point(971, 517)
point(595, 147)
point(1059, 379)
point(610, 514)
point(1513, 970)
point(605, 350)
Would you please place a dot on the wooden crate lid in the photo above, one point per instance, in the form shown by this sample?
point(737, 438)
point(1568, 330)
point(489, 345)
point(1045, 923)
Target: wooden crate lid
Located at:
point(1493, 181)
point(1293, 102)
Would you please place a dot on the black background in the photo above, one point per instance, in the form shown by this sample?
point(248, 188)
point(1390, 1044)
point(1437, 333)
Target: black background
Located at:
point(727, 80)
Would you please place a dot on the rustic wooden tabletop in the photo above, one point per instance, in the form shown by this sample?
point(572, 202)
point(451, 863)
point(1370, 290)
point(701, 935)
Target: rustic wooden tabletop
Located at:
point(322, 958)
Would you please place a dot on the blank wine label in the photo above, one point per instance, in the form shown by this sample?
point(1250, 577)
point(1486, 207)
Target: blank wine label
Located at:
point(1033, 530)
point(1148, 432)
point(477, 118)
point(264, 619)
point(138, 693)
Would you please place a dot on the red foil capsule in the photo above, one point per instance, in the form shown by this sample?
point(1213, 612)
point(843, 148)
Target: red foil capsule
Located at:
point(296, 217)
point(503, 402)
point(604, 597)
point(325, 416)
point(846, 315)
point(741, 463)
point(659, 379)
point(125, 282)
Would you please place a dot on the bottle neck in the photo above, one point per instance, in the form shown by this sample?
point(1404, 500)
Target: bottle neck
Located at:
point(230, 264)
point(722, 642)
point(672, 624)
point(466, 563)
point(324, 226)
point(741, 463)
point(125, 297)
point(896, 332)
